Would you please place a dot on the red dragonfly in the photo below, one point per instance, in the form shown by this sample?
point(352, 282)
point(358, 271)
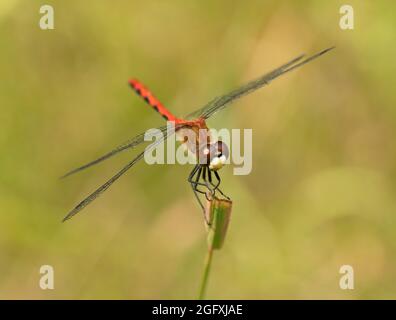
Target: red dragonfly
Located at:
point(214, 153)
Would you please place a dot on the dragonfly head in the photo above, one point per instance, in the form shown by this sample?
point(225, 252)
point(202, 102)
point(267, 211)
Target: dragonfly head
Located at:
point(217, 154)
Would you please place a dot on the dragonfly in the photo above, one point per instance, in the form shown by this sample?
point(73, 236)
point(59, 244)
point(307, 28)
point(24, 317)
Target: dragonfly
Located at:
point(204, 177)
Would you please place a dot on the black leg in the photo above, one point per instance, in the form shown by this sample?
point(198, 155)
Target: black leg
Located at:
point(193, 172)
point(217, 185)
point(205, 179)
point(212, 191)
point(201, 171)
point(197, 184)
point(194, 185)
point(197, 171)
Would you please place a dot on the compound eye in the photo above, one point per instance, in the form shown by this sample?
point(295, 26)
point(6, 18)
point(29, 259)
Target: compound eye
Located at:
point(221, 150)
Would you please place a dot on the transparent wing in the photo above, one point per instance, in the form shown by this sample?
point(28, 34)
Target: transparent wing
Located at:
point(221, 102)
point(130, 144)
point(109, 182)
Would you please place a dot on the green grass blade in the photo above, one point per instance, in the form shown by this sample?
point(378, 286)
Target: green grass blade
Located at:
point(219, 217)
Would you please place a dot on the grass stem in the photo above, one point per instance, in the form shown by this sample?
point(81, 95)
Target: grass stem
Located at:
point(205, 278)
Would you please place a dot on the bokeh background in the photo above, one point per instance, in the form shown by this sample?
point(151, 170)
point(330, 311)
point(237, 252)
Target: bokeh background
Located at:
point(322, 190)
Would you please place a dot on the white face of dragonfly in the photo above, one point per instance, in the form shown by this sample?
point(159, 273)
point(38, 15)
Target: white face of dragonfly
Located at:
point(217, 155)
point(217, 162)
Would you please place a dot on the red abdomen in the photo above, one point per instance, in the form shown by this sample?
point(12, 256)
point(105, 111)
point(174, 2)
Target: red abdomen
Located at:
point(145, 93)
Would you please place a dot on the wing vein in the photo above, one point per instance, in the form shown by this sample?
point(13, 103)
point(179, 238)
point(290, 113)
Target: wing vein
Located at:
point(130, 144)
point(109, 182)
point(221, 102)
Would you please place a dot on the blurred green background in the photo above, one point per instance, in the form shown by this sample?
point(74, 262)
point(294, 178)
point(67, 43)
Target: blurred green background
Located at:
point(321, 193)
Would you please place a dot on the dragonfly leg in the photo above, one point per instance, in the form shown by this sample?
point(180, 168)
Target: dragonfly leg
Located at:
point(218, 184)
point(215, 186)
point(194, 185)
point(195, 181)
point(208, 185)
